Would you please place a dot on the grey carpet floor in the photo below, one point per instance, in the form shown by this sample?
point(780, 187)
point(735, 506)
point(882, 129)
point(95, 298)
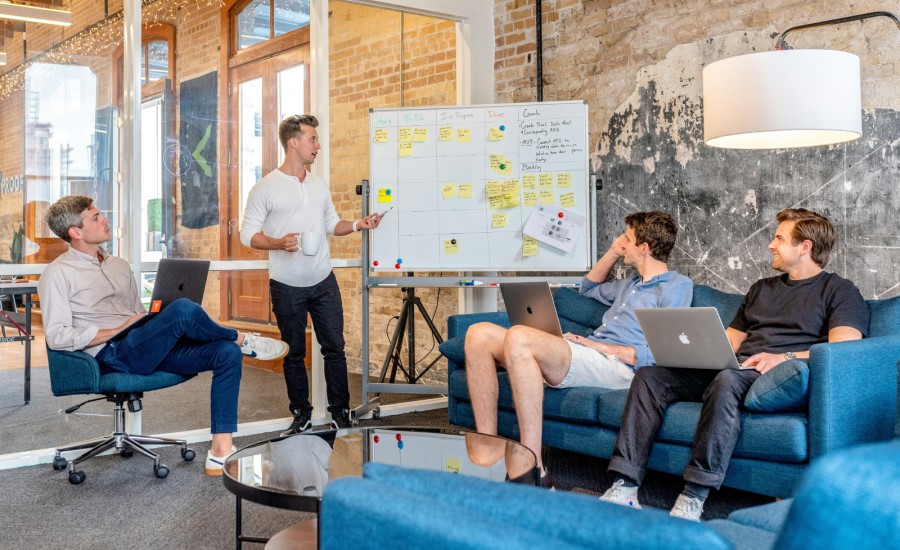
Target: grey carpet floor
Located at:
point(42, 423)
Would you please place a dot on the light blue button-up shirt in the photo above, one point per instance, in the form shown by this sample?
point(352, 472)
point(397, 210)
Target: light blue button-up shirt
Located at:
point(620, 325)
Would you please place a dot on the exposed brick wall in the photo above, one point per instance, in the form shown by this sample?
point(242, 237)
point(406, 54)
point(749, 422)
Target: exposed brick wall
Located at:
point(410, 61)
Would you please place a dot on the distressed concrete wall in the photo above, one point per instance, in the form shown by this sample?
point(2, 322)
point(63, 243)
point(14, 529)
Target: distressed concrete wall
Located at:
point(638, 64)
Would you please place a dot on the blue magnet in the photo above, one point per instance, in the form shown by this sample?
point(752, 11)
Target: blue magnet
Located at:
point(399, 444)
point(399, 260)
point(387, 191)
point(502, 128)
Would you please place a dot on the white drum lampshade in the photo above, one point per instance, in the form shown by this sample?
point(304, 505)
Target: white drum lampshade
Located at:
point(782, 99)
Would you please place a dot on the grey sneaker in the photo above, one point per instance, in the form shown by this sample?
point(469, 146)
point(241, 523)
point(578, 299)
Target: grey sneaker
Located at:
point(263, 348)
point(622, 495)
point(302, 422)
point(687, 508)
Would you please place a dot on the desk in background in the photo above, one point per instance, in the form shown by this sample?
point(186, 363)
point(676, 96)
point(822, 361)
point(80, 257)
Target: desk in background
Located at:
point(21, 323)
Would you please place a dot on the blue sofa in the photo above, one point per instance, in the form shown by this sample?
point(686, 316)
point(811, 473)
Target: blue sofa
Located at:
point(852, 400)
point(850, 499)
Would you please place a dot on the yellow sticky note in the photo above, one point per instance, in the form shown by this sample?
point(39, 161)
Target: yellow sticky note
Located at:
point(510, 186)
point(420, 134)
point(530, 198)
point(445, 133)
point(385, 195)
point(451, 246)
point(510, 200)
point(454, 465)
point(546, 180)
point(465, 190)
point(567, 200)
point(495, 134)
point(463, 135)
point(494, 188)
point(404, 134)
point(448, 190)
point(529, 247)
point(547, 196)
point(500, 164)
point(406, 149)
point(381, 135)
point(529, 181)
point(495, 203)
point(564, 180)
point(498, 220)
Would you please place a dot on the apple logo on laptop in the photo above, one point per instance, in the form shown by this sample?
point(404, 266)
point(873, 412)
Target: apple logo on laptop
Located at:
point(529, 310)
point(684, 339)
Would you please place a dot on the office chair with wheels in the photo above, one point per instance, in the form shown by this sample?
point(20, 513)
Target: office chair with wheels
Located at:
point(77, 373)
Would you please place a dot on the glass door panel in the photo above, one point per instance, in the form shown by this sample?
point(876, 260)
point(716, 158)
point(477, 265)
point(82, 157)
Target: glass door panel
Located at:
point(250, 149)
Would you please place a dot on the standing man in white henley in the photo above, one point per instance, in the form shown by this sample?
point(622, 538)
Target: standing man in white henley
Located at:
point(282, 206)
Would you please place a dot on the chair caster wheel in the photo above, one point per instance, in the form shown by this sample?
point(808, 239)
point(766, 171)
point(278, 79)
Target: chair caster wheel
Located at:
point(161, 471)
point(76, 477)
point(126, 453)
point(188, 454)
point(60, 463)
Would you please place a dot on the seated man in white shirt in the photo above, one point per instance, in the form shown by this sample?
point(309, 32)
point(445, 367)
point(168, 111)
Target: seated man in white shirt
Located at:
point(88, 296)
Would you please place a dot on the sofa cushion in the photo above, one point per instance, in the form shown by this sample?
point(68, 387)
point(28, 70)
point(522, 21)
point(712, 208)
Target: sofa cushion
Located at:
point(578, 314)
point(884, 317)
point(454, 349)
point(778, 437)
point(725, 303)
point(783, 388)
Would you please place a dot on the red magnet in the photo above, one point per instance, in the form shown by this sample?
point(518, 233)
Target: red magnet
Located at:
point(560, 215)
point(396, 266)
point(399, 437)
point(375, 438)
point(375, 263)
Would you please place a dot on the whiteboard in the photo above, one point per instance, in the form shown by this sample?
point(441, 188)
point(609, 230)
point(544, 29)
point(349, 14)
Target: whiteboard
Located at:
point(459, 185)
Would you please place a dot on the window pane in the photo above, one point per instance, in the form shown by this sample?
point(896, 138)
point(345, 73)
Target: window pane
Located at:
point(290, 15)
point(291, 87)
point(253, 24)
point(250, 138)
point(151, 181)
point(158, 60)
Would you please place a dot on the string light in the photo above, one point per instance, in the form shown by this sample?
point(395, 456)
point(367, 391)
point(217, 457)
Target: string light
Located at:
point(100, 37)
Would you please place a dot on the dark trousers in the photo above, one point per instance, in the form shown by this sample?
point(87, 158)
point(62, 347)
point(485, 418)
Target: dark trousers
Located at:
point(653, 390)
point(182, 339)
point(322, 302)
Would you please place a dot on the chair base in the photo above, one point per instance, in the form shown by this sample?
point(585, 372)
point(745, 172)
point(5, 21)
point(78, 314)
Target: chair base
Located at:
point(125, 444)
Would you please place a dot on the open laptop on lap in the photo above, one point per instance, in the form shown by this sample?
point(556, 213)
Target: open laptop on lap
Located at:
point(175, 278)
point(687, 337)
point(531, 304)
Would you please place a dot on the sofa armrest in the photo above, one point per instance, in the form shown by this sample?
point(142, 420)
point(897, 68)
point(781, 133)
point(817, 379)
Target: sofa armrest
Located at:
point(457, 325)
point(852, 393)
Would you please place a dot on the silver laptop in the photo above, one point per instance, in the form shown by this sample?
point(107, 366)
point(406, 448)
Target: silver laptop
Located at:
point(531, 304)
point(175, 278)
point(687, 337)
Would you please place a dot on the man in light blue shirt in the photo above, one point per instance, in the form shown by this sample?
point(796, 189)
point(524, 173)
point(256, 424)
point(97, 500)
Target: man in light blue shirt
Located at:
point(607, 358)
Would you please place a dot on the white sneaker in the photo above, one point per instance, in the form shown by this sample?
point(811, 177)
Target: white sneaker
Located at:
point(263, 348)
point(688, 508)
point(214, 464)
point(622, 495)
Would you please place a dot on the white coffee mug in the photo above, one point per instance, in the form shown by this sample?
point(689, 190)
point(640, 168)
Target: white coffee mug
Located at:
point(309, 242)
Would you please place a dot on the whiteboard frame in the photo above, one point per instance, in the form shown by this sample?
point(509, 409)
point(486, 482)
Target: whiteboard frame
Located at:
point(588, 234)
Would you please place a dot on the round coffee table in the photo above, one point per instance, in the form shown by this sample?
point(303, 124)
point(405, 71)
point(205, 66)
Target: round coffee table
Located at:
point(292, 472)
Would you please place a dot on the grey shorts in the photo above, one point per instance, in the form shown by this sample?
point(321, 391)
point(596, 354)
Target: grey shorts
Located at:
point(593, 369)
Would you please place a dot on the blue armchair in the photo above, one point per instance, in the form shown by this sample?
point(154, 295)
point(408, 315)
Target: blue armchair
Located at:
point(848, 499)
point(77, 373)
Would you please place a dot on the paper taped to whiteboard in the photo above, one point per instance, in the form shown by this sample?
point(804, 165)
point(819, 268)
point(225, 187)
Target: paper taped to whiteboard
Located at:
point(557, 227)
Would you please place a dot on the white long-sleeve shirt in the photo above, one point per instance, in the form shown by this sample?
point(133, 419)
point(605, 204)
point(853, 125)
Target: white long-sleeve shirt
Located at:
point(80, 296)
point(280, 204)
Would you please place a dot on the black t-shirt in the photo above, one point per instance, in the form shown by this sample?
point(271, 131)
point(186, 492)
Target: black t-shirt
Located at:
point(780, 315)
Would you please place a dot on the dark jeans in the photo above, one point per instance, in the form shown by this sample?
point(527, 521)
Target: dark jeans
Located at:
point(653, 390)
point(323, 303)
point(182, 339)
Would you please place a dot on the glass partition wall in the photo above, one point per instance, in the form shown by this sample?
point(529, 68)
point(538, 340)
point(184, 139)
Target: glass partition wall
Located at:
point(215, 80)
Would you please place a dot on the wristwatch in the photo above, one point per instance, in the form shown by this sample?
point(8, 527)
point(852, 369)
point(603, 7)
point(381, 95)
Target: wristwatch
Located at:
point(789, 355)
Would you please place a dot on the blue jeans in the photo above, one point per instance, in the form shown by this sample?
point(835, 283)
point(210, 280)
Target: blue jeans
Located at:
point(182, 339)
point(653, 390)
point(322, 302)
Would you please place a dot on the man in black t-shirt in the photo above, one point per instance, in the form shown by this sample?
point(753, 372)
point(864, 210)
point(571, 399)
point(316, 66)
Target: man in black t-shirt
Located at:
point(779, 320)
